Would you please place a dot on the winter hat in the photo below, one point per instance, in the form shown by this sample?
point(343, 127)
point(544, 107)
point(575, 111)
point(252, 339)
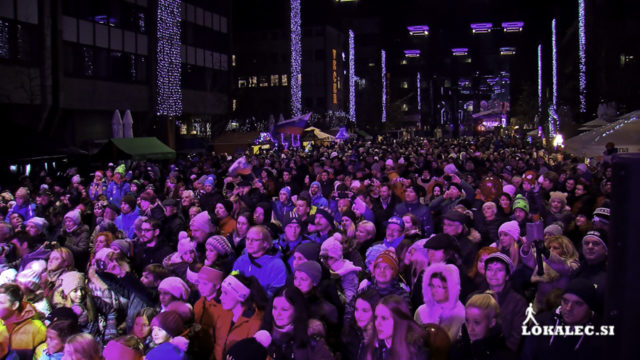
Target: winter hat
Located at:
point(129, 200)
point(520, 202)
point(317, 184)
point(30, 276)
point(512, 228)
point(149, 196)
point(396, 220)
point(121, 169)
point(209, 181)
point(553, 229)
point(167, 351)
point(123, 245)
point(286, 190)
point(236, 288)
point(103, 254)
point(202, 221)
point(309, 250)
point(170, 322)
point(585, 290)
point(176, 287)
point(509, 189)
point(440, 241)
point(372, 253)
point(70, 281)
point(291, 218)
point(456, 216)
point(114, 208)
point(184, 309)
point(62, 313)
point(419, 247)
point(389, 162)
point(582, 167)
point(74, 215)
point(530, 177)
point(185, 245)
point(325, 213)
point(220, 244)
point(500, 257)
point(350, 214)
point(388, 257)
point(450, 169)
point(312, 269)
point(598, 234)
point(210, 274)
point(247, 349)
point(602, 214)
point(332, 248)
point(228, 205)
point(559, 196)
point(39, 223)
point(117, 351)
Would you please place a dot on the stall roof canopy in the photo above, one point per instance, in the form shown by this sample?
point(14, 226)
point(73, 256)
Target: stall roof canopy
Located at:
point(141, 148)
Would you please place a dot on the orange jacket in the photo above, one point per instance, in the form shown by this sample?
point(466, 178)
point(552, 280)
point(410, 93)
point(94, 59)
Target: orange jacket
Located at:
point(226, 335)
point(26, 332)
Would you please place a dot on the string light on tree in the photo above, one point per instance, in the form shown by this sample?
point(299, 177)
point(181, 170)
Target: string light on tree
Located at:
point(539, 78)
point(352, 77)
point(582, 45)
point(169, 92)
point(419, 92)
point(296, 59)
point(383, 66)
point(553, 117)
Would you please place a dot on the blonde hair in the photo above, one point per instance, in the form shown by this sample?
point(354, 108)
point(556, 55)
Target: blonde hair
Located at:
point(369, 227)
point(487, 302)
point(568, 250)
point(84, 347)
point(67, 258)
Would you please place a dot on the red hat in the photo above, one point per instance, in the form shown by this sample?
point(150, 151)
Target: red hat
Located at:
point(388, 257)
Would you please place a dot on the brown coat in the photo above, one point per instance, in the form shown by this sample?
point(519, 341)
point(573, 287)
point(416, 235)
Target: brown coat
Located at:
point(226, 335)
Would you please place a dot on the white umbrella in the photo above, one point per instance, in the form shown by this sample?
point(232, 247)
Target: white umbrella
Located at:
point(116, 124)
point(127, 123)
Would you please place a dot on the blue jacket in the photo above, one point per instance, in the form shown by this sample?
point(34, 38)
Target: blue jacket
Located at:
point(124, 222)
point(421, 211)
point(115, 192)
point(270, 272)
point(27, 211)
point(280, 210)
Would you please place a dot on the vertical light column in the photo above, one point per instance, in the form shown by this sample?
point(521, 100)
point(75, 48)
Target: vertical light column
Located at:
point(296, 59)
point(419, 92)
point(168, 70)
point(553, 118)
point(352, 77)
point(539, 78)
point(383, 66)
point(582, 44)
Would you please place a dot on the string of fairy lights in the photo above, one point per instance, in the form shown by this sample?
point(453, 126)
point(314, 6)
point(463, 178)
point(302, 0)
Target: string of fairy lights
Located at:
point(539, 78)
point(296, 59)
point(582, 41)
point(383, 66)
point(352, 77)
point(553, 118)
point(169, 91)
point(419, 92)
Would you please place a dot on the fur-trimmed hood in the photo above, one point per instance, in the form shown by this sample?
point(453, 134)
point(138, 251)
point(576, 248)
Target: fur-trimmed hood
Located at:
point(452, 274)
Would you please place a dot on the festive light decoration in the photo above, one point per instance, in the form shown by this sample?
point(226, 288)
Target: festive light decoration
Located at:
point(460, 51)
point(352, 76)
point(554, 63)
point(412, 53)
point(419, 92)
point(558, 140)
point(553, 121)
point(507, 51)
point(418, 30)
point(296, 59)
point(383, 66)
point(582, 44)
point(481, 28)
point(169, 92)
point(539, 78)
point(512, 26)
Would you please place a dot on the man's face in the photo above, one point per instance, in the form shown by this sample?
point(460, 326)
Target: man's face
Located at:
point(148, 233)
point(593, 250)
point(452, 228)
point(410, 195)
point(580, 190)
point(574, 311)
point(302, 209)
point(344, 205)
point(496, 274)
point(393, 232)
point(220, 211)
point(255, 245)
point(519, 215)
point(144, 205)
point(385, 193)
point(125, 208)
point(322, 223)
point(570, 184)
point(7, 307)
point(546, 184)
point(324, 176)
point(286, 176)
point(292, 231)
point(314, 189)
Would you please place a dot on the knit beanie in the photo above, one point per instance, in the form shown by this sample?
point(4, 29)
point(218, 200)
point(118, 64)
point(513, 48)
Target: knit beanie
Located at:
point(520, 202)
point(286, 190)
point(202, 221)
point(117, 351)
point(559, 196)
point(123, 245)
point(500, 257)
point(220, 244)
point(318, 184)
point(509, 189)
point(30, 276)
point(185, 245)
point(170, 322)
point(210, 274)
point(332, 248)
point(176, 287)
point(396, 220)
point(312, 269)
point(441, 241)
point(388, 257)
point(121, 169)
point(236, 288)
point(309, 250)
point(512, 228)
point(149, 196)
point(450, 169)
point(553, 229)
point(350, 214)
point(74, 215)
point(209, 181)
point(228, 205)
point(39, 223)
point(598, 234)
point(325, 213)
point(247, 349)
point(70, 281)
point(530, 177)
point(602, 214)
point(129, 200)
point(291, 218)
point(372, 253)
point(585, 290)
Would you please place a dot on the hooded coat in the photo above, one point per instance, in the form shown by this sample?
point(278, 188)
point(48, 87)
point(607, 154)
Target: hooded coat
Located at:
point(26, 332)
point(450, 315)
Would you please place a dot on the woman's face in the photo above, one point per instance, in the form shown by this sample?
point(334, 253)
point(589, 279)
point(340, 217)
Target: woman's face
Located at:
point(165, 298)
point(98, 210)
point(505, 203)
point(227, 300)
point(556, 205)
point(258, 215)
point(54, 343)
point(70, 354)
point(478, 323)
point(298, 259)
point(489, 212)
point(77, 295)
point(283, 312)
point(302, 281)
point(506, 240)
point(408, 224)
point(480, 266)
point(384, 322)
point(437, 191)
point(242, 225)
point(439, 290)
point(361, 234)
point(363, 313)
point(210, 254)
point(100, 243)
point(207, 288)
point(55, 261)
point(69, 224)
point(141, 327)
point(435, 256)
point(555, 248)
point(159, 336)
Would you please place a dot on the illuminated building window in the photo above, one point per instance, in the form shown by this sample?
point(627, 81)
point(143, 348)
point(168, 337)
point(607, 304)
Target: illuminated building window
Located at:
point(253, 81)
point(233, 60)
point(242, 82)
point(284, 81)
point(275, 80)
point(403, 62)
point(405, 107)
point(234, 104)
point(263, 81)
point(404, 84)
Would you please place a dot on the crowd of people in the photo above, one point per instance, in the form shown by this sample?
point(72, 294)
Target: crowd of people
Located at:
point(381, 249)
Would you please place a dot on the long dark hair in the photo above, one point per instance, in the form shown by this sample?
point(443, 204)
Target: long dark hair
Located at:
point(257, 296)
point(408, 336)
point(300, 320)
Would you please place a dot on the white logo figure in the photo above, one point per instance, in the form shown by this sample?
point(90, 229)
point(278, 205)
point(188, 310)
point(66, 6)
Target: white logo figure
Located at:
point(530, 315)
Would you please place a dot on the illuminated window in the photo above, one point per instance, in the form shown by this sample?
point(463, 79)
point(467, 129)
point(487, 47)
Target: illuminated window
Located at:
point(404, 84)
point(284, 82)
point(274, 80)
point(253, 81)
point(263, 81)
point(405, 107)
point(403, 62)
point(233, 60)
point(242, 82)
point(234, 104)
